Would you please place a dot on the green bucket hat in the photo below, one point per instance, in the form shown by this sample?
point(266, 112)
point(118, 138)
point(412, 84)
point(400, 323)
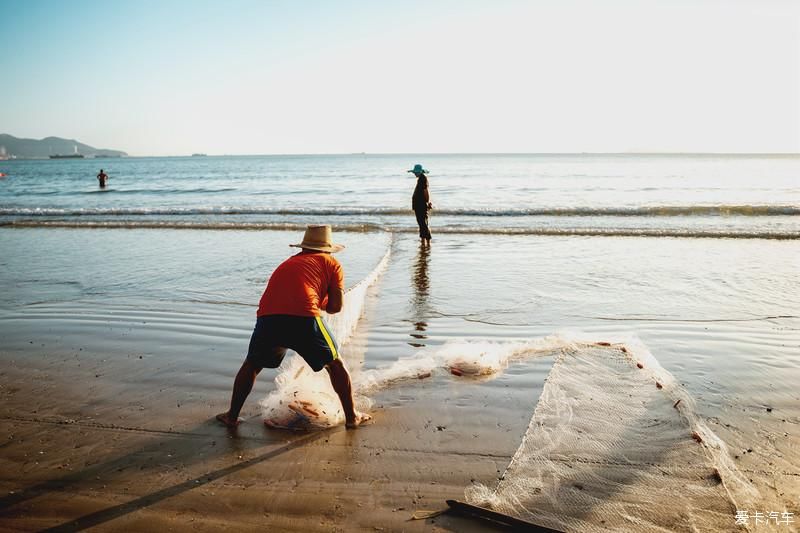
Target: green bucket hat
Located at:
point(418, 169)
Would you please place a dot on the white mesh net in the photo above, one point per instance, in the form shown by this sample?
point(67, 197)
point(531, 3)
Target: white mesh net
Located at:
point(471, 359)
point(615, 445)
point(304, 399)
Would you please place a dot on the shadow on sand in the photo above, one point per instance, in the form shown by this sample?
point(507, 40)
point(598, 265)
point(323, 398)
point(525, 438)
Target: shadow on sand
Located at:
point(176, 451)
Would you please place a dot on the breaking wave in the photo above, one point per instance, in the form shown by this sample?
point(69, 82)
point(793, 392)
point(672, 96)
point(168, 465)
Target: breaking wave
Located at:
point(645, 211)
point(744, 233)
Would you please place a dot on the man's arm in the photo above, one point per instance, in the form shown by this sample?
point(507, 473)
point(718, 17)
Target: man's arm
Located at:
point(335, 300)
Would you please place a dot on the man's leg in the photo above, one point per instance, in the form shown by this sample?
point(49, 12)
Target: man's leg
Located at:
point(340, 379)
point(242, 386)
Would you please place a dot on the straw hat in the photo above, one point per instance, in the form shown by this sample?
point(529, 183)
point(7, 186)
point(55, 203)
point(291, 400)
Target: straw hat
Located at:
point(418, 169)
point(319, 238)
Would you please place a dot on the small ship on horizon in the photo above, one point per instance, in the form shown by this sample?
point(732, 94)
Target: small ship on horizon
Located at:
point(75, 155)
point(67, 156)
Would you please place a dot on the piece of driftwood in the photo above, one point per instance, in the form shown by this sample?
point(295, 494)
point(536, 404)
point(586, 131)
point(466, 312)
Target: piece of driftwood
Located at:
point(516, 524)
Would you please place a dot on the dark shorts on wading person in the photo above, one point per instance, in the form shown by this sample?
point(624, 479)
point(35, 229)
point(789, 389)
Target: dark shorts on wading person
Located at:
point(309, 336)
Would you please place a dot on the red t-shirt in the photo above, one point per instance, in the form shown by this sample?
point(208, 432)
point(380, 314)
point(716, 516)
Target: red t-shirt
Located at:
point(300, 285)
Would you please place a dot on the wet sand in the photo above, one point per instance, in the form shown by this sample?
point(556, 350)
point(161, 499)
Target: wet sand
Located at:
point(108, 402)
point(99, 435)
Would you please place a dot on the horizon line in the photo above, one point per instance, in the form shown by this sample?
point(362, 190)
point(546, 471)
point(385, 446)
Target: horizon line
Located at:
point(277, 154)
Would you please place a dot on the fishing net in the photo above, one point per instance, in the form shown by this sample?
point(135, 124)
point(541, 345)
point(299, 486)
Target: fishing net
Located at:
point(304, 399)
point(475, 359)
point(615, 445)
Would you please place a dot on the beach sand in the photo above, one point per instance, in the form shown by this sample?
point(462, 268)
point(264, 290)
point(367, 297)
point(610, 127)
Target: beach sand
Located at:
point(105, 437)
point(108, 406)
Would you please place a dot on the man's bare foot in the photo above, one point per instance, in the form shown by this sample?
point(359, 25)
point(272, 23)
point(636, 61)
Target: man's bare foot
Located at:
point(360, 420)
point(226, 420)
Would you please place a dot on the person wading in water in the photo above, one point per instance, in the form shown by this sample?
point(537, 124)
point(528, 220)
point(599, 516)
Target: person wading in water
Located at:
point(421, 203)
point(101, 178)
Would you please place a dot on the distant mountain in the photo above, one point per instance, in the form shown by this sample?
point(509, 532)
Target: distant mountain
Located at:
point(32, 148)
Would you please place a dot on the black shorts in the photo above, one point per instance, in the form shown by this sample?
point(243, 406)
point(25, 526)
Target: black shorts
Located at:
point(309, 336)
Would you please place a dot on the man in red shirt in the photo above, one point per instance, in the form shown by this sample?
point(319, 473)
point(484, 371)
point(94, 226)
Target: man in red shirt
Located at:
point(288, 317)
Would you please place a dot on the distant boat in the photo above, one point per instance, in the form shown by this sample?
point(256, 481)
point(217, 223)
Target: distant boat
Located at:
point(199, 155)
point(74, 155)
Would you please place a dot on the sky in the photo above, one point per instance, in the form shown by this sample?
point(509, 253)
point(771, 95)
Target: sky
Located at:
point(285, 77)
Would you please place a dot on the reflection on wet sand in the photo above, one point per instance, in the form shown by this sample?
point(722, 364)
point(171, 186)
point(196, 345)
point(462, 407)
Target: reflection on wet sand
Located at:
point(421, 309)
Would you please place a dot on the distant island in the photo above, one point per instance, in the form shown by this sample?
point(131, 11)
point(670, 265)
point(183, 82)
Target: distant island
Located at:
point(50, 147)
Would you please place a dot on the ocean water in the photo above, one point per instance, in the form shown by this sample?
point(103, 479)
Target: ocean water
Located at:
point(524, 245)
point(695, 195)
point(697, 257)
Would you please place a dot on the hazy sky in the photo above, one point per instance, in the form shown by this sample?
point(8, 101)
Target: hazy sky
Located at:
point(254, 77)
